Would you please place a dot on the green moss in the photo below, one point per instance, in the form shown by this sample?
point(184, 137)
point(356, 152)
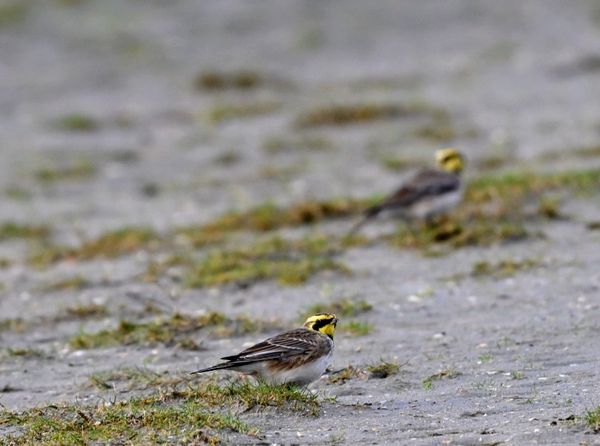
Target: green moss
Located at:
point(290, 262)
point(5, 263)
point(18, 193)
point(77, 122)
point(17, 325)
point(80, 169)
point(444, 374)
point(237, 80)
point(275, 145)
point(25, 352)
point(549, 207)
point(383, 369)
point(515, 185)
point(70, 283)
point(341, 115)
point(267, 217)
point(345, 374)
point(456, 234)
point(264, 395)
point(228, 158)
point(171, 331)
point(87, 311)
point(395, 163)
point(111, 244)
point(356, 328)
point(503, 268)
point(226, 112)
point(12, 12)
point(593, 225)
point(12, 230)
point(342, 308)
point(183, 417)
point(592, 419)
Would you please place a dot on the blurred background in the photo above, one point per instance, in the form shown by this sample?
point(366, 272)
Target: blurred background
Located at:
point(169, 112)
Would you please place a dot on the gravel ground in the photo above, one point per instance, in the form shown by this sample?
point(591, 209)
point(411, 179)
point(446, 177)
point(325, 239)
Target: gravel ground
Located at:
point(103, 128)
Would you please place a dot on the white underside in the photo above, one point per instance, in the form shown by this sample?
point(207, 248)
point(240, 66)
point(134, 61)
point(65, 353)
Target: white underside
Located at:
point(431, 206)
point(302, 375)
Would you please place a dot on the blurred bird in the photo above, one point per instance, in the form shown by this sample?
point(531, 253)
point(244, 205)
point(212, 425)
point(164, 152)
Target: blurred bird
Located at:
point(428, 194)
point(297, 356)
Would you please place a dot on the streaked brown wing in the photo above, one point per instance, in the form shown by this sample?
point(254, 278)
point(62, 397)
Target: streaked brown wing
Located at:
point(425, 184)
point(285, 345)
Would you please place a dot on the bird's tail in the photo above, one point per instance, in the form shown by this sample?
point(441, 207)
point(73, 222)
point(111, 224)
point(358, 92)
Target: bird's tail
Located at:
point(223, 365)
point(368, 214)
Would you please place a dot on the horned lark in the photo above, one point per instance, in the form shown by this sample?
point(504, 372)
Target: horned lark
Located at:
point(297, 356)
point(428, 194)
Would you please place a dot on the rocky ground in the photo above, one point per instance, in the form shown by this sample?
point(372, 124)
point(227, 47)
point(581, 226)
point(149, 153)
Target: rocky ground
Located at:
point(129, 129)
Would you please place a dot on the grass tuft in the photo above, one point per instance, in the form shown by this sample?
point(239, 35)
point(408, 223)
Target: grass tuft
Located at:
point(12, 230)
point(444, 374)
point(237, 80)
point(181, 417)
point(383, 369)
point(592, 419)
point(227, 112)
point(342, 307)
point(503, 268)
point(80, 169)
point(111, 244)
point(342, 115)
point(175, 330)
point(77, 122)
point(290, 262)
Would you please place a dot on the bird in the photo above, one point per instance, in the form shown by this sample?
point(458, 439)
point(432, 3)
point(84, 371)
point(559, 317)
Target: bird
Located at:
point(428, 194)
point(296, 357)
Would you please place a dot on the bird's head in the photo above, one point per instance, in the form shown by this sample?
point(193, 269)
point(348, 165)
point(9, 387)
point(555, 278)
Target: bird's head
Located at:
point(450, 160)
point(323, 323)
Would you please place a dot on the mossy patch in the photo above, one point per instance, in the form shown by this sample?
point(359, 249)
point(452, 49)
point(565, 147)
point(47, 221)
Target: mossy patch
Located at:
point(267, 217)
point(88, 311)
point(592, 419)
point(12, 12)
point(290, 262)
point(383, 369)
point(435, 238)
point(350, 114)
point(342, 307)
point(80, 169)
point(109, 245)
point(17, 325)
point(175, 330)
point(226, 112)
point(69, 283)
point(305, 143)
point(356, 328)
point(503, 268)
point(180, 416)
point(18, 193)
point(77, 122)
point(345, 374)
point(444, 374)
point(234, 80)
point(13, 230)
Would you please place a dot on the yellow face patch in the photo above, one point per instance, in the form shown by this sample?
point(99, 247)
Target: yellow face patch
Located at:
point(323, 323)
point(450, 160)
